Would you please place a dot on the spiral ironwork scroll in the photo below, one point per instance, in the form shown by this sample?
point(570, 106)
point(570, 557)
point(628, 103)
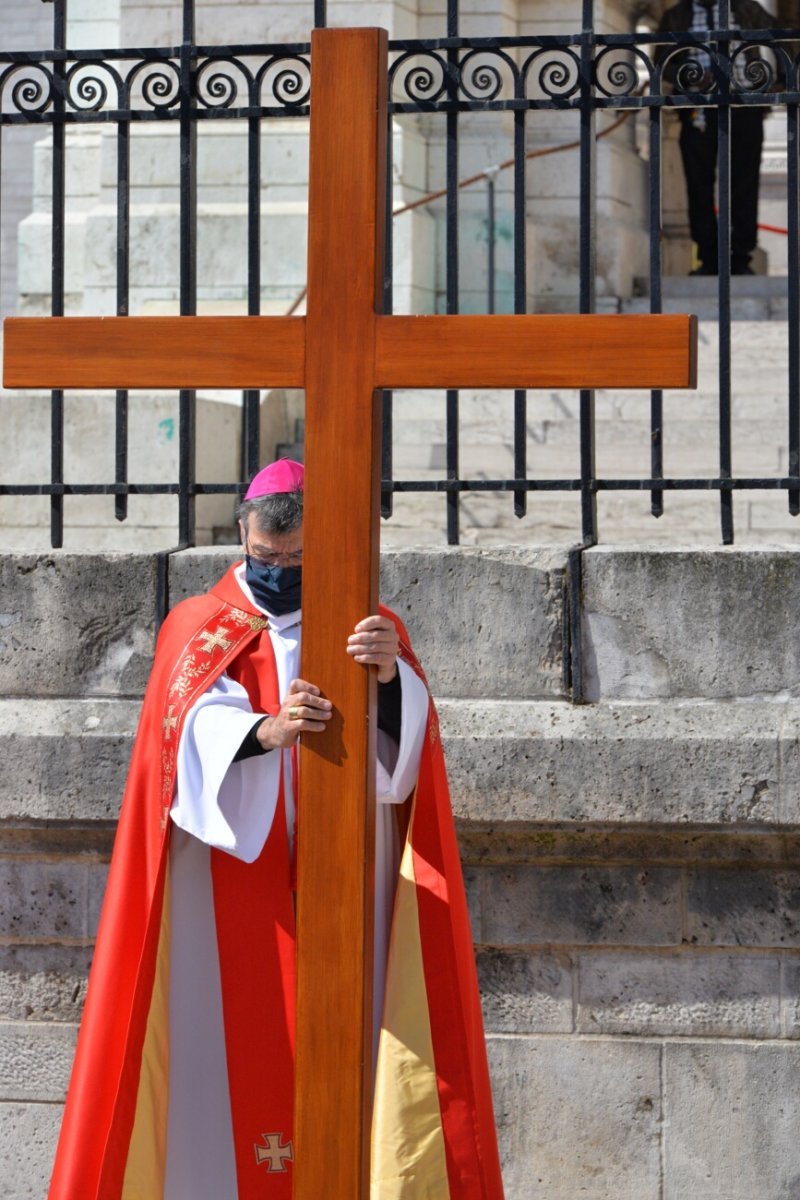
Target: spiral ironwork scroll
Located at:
point(155, 85)
point(551, 73)
point(619, 72)
point(486, 76)
point(90, 85)
point(284, 81)
point(32, 92)
point(419, 77)
point(223, 83)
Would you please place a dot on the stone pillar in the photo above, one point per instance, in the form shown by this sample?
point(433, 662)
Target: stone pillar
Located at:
point(553, 187)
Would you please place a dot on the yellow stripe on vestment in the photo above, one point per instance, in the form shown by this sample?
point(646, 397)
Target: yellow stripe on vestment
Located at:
point(408, 1156)
point(147, 1154)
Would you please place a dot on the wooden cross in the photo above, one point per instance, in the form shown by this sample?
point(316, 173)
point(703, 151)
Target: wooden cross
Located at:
point(342, 352)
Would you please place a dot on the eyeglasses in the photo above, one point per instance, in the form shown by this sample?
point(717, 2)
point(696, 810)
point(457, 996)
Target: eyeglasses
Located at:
point(267, 558)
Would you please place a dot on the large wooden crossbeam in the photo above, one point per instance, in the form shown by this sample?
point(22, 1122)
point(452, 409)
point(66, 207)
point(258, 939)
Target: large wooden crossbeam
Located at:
point(341, 352)
point(409, 352)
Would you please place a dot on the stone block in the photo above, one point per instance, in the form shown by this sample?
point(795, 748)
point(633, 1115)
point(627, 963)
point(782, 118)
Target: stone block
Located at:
point(581, 905)
point(35, 1060)
point(64, 760)
point(732, 908)
point(526, 992)
point(43, 900)
point(28, 1136)
point(449, 598)
point(679, 994)
point(74, 625)
point(663, 623)
point(731, 1115)
point(514, 762)
point(578, 1118)
point(194, 571)
point(43, 983)
point(790, 996)
point(467, 624)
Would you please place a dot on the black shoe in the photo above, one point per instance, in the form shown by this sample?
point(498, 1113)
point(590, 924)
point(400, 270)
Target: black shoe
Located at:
point(742, 270)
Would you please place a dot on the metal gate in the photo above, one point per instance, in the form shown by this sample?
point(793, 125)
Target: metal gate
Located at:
point(450, 79)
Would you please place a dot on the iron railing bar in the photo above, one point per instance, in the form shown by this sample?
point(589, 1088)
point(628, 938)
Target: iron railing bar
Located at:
point(588, 266)
point(387, 398)
point(57, 268)
point(656, 395)
point(251, 397)
point(793, 296)
point(187, 401)
point(520, 305)
point(757, 483)
point(123, 309)
point(398, 108)
point(452, 272)
point(724, 277)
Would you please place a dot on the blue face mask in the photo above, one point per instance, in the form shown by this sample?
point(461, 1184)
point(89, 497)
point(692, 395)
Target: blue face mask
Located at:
point(277, 589)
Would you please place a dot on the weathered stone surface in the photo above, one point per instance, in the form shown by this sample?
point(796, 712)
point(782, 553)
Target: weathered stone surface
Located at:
point(790, 996)
point(76, 625)
point(663, 623)
point(35, 1060)
point(680, 994)
point(484, 622)
point(585, 905)
point(511, 762)
point(194, 571)
point(64, 760)
point(733, 908)
point(731, 1116)
point(43, 983)
point(41, 899)
point(592, 1118)
point(526, 992)
point(28, 1134)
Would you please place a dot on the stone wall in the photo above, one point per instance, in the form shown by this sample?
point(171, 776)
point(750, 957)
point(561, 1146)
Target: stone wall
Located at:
point(631, 863)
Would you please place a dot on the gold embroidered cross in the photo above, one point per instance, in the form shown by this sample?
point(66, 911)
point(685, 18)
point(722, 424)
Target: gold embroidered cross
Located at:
point(274, 1153)
point(215, 639)
point(169, 723)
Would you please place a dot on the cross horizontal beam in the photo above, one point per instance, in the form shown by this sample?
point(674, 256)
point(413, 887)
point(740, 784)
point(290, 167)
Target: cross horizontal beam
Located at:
point(540, 351)
point(154, 352)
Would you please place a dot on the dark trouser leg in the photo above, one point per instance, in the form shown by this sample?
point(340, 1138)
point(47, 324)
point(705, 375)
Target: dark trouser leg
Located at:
point(699, 154)
point(747, 136)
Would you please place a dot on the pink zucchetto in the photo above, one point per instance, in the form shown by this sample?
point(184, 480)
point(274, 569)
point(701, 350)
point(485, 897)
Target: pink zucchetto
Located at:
point(285, 475)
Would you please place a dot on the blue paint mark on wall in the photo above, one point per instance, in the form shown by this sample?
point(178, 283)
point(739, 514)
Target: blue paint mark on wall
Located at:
point(166, 429)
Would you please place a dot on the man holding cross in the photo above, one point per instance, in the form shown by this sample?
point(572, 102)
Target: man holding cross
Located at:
point(183, 1082)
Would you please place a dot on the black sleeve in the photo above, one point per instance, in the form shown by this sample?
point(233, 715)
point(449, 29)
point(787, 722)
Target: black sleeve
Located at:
point(390, 707)
point(251, 746)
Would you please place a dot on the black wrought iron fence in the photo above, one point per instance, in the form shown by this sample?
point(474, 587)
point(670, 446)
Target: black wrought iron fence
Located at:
point(589, 74)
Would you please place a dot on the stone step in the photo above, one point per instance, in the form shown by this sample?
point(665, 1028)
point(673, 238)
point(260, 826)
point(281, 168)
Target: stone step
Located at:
point(512, 764)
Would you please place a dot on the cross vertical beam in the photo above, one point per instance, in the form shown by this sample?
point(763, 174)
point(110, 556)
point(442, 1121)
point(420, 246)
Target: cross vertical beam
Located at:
point(340, 584)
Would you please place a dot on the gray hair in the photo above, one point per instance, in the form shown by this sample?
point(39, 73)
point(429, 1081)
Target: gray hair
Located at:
point(281, 512)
